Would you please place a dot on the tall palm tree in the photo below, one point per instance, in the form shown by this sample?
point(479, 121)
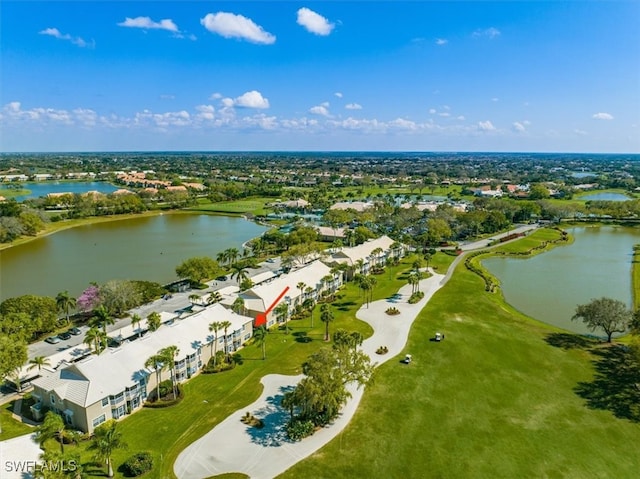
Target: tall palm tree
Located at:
point(170, 353)
point(260, 334)
point(226, 325)
point(102, 318)
point(38, 362)
point(52, 427)
point(214, 297)
point(136, 319)
point(153, 321)
point(96, 338)
point(193, 298)
point(376, 254)
point(232, 255)
point(238, 306)
point(157, 363)
point(301, 286)
point(64, 302)
point(326, 316)
point(214, 328)
point(106, 440)
point(239, 271)
point(309, 304)
point(282, 311)
point(427, 258)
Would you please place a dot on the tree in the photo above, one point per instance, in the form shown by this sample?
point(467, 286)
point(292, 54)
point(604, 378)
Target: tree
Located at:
point(609, 314)
point(198, 269)
point(38, 362)
point(310, 305)
point(301, 286)
point(117, 296)
point(136, 319)
point(96, 338)
point(170, 353)
point(89, 299)
point(326, 316)
point(158, 364)
point(153, 321)
point(106, 440)
point(214, 297)
point(64, 302)
point(240, 272)
point(260, 335)
point(282, 312)
point(238, 306)
point(41, 310)
point(226, 325)
point(102, 318)
point(52, 427)
point(214, 328)
point(13, 354)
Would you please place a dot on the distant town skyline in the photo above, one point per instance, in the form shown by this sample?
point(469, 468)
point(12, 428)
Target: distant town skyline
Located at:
point(555, 76)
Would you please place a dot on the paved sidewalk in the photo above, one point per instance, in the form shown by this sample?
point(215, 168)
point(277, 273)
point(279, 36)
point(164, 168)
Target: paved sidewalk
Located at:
point(264, 453)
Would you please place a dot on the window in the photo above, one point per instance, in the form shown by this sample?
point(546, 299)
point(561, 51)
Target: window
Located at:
point(52, 398)
point(99, 420)
point(105, 402)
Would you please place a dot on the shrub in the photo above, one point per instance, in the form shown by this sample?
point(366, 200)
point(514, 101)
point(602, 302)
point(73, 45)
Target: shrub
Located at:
point(298, 429)
point(392, 311)
point(382, 350)
point(415, 297)
point(138, 464)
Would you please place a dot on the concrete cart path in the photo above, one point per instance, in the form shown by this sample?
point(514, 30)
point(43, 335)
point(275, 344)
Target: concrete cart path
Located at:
point(264, 453)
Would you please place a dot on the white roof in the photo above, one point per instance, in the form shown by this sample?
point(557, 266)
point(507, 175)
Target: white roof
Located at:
point(362, 251)
point(96, 377)
point(331, 232)
point(261, 297)
point(354, 205)
point(262, 277)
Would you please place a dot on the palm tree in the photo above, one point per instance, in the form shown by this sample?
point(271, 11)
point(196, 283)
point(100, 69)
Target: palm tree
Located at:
point(326, 316)
point(157, 363)
point(193, 298)
point(102, 318)
point(222, 257)
point(96, 338)
point(359, 265)
point(64, 302)
point(170, 353)
point(226, 325)
point(238, 306)
point(214, 297)
point(52, 426)
point(153, 321)
point(214, 328)
point(38, 362)
point(239, 271)
point(289, 402)
point(136, 319)
point(427, 257)
point(376, 254)
point(232, 255)
point(106, 440)
point(309, 304)
point(260, 334)
point(301, 286)
point(282, 312)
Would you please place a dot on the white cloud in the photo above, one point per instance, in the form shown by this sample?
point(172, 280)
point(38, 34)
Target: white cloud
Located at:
point(215, 96)
point(229, 25)
point(353, 106)
point(227, 102)
point(490, 32)
point(444, 114)
point(338, 94)
point(603, 116)
point(148, 24)
point(432, 111)
point(519, 127)
point(461, 118)
point(580, 132)
point(319, 110)
point(441, 41)
point(486, 126)
point(205, 112)
point(314, 22)
point(402, 124)
point(54, 32)
point(251, 99)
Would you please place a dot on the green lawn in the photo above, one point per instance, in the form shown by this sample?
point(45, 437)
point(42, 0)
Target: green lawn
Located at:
point(10, 427)
point(211, 398)
point(11, 193)
point(497, 399)
point(532, 240)
point(256, 206)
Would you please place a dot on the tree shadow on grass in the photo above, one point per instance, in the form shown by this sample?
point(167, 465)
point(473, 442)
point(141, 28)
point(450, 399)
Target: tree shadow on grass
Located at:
point(616, 383)
point(274, 418)
point(344, 305)
point(569, 341)
point(302, 337)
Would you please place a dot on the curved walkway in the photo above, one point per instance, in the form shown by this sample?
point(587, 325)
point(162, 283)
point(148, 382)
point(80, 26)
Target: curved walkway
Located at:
point(264, 453)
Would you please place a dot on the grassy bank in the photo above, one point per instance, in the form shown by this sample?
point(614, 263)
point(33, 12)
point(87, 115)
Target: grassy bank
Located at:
point(635, 277)
point(502, 396)
point(11, 193)
point(254, 206)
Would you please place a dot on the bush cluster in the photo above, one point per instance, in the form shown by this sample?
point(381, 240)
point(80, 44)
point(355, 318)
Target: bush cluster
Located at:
point(392, 311)
point(138, 464)
point(298, 429)
point(382, 350)
point(490, 283)
point(415, 297)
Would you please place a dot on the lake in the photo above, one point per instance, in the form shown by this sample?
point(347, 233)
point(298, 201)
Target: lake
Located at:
point(549, 286)
point(146, 248)
point(605, 197)
point(39, 189)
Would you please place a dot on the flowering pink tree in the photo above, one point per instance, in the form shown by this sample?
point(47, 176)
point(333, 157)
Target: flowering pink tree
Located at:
point(89, 299)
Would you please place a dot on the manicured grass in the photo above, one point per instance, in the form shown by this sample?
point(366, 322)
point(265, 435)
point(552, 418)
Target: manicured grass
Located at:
point(10, 427)
point(532, 240)
point(256, 206)
point(635, 277)
point(210, 398)
point(496, 399)
point(10, 193)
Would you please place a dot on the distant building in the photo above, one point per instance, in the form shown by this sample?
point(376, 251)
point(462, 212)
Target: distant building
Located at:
point(359, 206)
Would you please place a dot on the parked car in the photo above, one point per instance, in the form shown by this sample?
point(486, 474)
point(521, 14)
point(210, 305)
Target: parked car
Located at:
point(64, 336)
point(271, 260)
point(53, 340)
point(75, 331)
point(221, 278)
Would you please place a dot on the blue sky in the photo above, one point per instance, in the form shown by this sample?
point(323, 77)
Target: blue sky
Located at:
point(286, 75)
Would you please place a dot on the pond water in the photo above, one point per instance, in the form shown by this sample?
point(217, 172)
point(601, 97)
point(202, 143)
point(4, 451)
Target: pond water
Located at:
point(549, 286)
point(605, 197)
point(146, 248)
point(39, 189)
